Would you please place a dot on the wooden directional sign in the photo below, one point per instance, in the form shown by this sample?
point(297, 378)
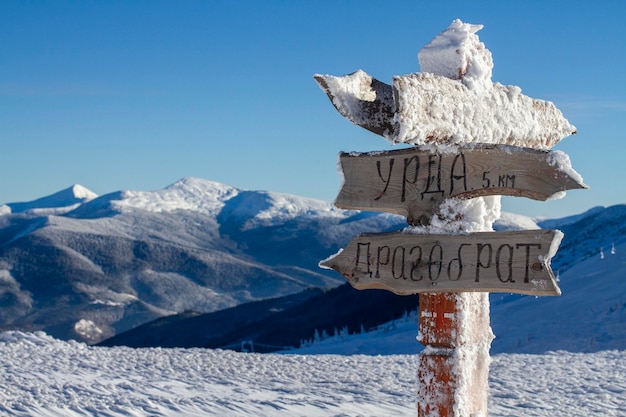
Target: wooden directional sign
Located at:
point(426, 108)
point(363, 100)
point(413, 182)
point(434, 109)
point(515, 262)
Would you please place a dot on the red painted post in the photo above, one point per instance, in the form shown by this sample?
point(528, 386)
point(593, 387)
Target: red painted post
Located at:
point(437, 379)
point(454, 366)
point(437, 319)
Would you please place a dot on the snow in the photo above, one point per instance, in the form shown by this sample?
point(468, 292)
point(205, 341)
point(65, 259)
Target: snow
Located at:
point(359, 82)
point(191, 194)
point(280, 208)
point(83, 193)
point(207, 197)
point(454, 100)
point(58, 203)
point(554, 247)
point(88, 330)
point(42, 376)
point(512, 221)
point(432, 108)
point(561, 161)
point(458, 216)
point(458, 54)
point(352, 94)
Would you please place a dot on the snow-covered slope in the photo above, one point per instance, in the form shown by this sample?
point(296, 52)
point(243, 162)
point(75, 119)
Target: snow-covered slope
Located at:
point(589, 316)
point(125, 258)
point(42, 376)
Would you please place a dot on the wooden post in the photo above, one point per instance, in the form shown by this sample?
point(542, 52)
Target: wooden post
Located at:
point(454, 366)
point(437, 379)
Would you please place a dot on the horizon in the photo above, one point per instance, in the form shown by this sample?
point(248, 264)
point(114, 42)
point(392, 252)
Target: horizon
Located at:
point(135, 96)
point(81, 191)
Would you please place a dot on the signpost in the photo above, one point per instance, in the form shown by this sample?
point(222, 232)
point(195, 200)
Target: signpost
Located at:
point(460, 155)
point(513, 262)
point(416, 110)
point(414, 182)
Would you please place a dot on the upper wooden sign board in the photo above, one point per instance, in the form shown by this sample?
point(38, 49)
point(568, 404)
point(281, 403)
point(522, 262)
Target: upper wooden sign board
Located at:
point(424, 108)
point(413, 182)
point(404, 263)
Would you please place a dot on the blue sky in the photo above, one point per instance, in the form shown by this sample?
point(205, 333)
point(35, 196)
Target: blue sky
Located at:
point(118, 95)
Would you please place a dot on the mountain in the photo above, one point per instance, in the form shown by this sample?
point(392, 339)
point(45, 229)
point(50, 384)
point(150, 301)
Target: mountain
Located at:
point(588, 317)
point(589, 234)
point(57, 203)
point(92, 267)
point(84, 267)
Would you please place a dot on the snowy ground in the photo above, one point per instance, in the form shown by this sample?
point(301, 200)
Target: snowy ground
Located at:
point(41, 376)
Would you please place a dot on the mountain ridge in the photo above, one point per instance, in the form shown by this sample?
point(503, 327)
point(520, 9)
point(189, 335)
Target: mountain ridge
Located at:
point(126, 258)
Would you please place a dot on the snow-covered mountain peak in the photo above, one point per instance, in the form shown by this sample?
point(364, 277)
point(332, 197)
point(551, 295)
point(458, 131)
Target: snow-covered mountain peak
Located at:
point(201, 186)
point(81, 193)
point(262, 208)
point(192, 194)
point(58, 203)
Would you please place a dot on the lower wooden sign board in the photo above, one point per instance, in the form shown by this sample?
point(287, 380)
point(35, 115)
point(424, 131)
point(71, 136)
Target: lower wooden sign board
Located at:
point(413, 182)
point(405, 263)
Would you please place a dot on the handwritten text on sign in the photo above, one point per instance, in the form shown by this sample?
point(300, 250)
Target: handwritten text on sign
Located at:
point(413, 182)
point(516, 262)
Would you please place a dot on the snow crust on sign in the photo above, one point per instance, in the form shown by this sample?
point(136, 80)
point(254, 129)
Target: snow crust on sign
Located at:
point(457, 216)
point(454, 99)
point(458, 54)
point(562, 162)
point(462, 216)
point(347, 91)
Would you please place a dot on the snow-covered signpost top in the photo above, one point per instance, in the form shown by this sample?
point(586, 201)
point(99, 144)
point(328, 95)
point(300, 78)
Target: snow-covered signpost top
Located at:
point(474, 141)
point(453, 101)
